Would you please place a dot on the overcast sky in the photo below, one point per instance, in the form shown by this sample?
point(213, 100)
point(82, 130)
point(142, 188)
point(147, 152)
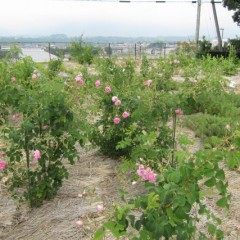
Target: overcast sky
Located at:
point(46, 17)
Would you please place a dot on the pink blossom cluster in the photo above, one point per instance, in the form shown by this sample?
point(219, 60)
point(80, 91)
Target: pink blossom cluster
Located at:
point(117, 120)
point(147, 174)
point(79, 80)
point(116, 101)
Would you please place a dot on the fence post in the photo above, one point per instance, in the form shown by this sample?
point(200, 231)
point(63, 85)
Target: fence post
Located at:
point(140, 51)
point(135, 51)
point(49, 50)
point(164, 50)
point(109, 50)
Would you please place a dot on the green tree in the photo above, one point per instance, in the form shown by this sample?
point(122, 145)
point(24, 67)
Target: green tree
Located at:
point(82, 52)
point(235, 6)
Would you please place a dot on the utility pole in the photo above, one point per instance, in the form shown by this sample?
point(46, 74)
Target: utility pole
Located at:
point(221, 29)
point(198, 21)
point(216, 25)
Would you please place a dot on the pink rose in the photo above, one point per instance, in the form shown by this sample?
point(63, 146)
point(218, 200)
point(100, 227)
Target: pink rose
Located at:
point(178, 112)
point(3, 164)
point(114, 99)
point(34, 76)
point(37, 155)
point(79, 223)
point(141, 172)
point(97, 83)
point(117, 103)
point(116, 120)
point(79, 80)
point(148, 83)
point(45, 127)
point(233, 148)
point(152, 177)
point(13, 79)
point(15, 116)
point(100, 208)
point(125, 114)
point(228, 127)
point(108, 89)
point(147, 174)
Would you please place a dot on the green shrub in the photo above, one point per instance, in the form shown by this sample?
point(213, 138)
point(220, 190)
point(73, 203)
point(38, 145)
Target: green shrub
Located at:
point(205, 125)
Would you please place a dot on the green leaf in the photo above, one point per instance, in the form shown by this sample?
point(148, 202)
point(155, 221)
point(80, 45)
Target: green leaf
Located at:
point(209, 173)
point(211, 228)
point(160, 178)
point(109, 225)
point(220, 175)
point(222, 202)
point(116, 229)
point(174, 177)
point(210, 182)
point(153, 200)
point(191, 197)
point(100, 234)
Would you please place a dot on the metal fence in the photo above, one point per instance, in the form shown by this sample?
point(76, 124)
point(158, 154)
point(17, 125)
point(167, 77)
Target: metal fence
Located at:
point(119, 50)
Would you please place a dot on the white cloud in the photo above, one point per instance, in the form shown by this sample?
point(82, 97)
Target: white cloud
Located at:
point(31, 17)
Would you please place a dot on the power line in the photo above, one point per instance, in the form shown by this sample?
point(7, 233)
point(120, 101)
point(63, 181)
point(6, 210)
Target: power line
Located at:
point(140, 1)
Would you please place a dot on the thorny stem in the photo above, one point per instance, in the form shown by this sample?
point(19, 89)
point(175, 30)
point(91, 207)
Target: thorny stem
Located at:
point(174, 137)
point(28, 167)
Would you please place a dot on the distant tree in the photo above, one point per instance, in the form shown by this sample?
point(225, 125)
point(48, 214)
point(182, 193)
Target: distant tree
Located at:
point(155, 45)
point(82, 52)
point(235, 43)
point(235, 6)
point(204, 47)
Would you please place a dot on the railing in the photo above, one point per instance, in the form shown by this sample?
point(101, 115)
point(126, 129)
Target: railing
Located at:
point(119, 50)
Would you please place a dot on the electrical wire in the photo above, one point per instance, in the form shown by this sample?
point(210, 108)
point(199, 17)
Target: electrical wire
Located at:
point(140, 1)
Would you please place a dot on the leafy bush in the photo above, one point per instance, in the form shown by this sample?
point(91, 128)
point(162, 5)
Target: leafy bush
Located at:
point(40, 133)
point(168, 209)
point(144, 132)
point(54, 67)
